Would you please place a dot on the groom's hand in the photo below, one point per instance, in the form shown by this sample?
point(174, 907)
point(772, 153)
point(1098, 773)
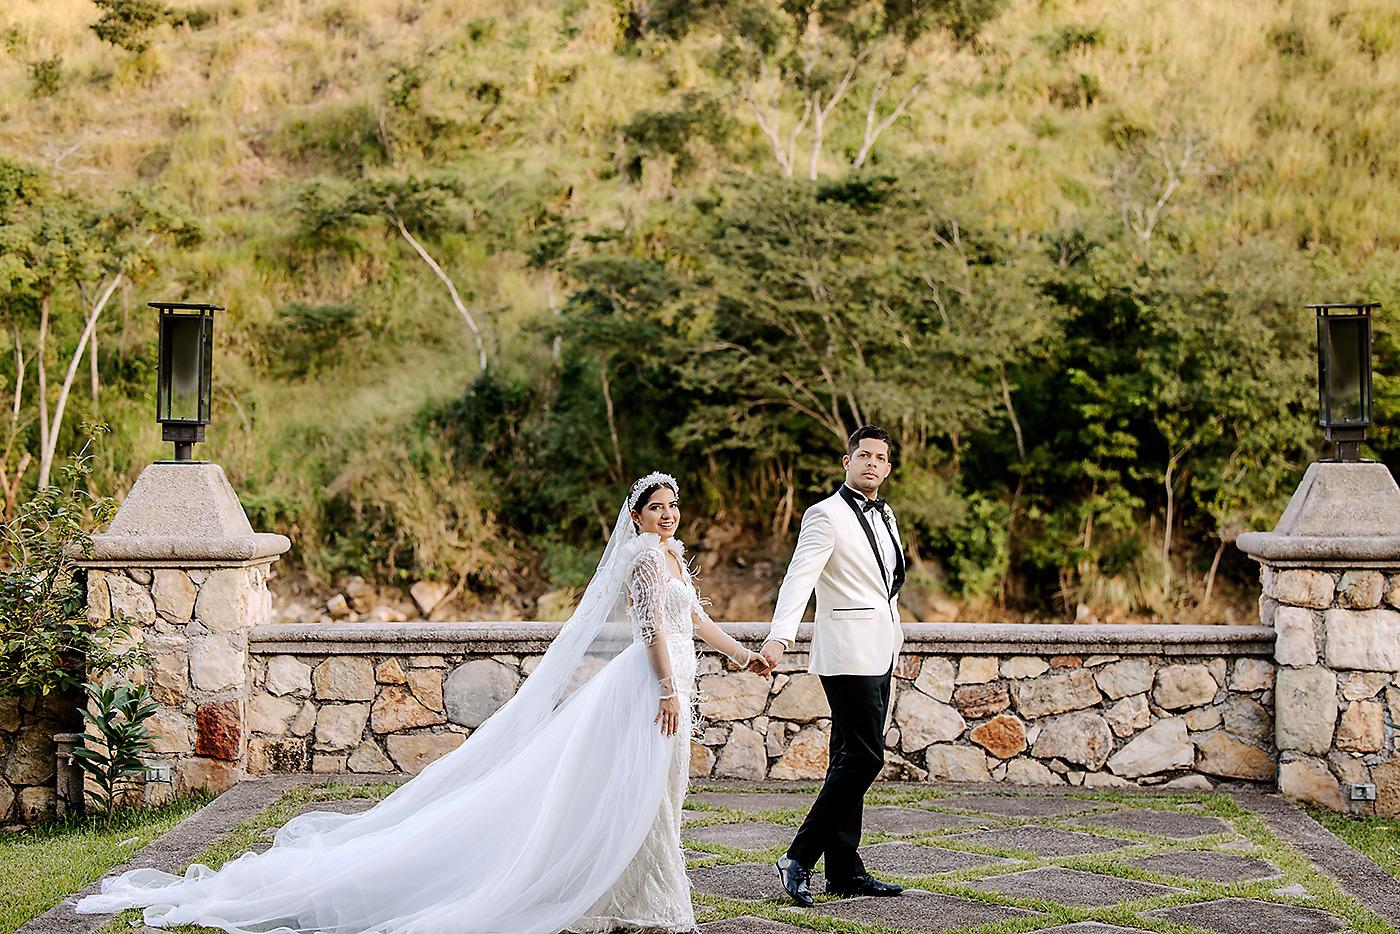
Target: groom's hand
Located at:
point(759, 665)
point(772, 653)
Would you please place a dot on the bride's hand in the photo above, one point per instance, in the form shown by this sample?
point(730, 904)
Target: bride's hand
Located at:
point(758, 664)
point(668, 715)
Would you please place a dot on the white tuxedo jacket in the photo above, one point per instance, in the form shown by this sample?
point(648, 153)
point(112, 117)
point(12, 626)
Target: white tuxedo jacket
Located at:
point(857, 629)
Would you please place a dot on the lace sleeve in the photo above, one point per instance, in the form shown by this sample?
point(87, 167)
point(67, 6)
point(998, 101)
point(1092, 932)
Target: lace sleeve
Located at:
point(734, 650)
point(644, 595)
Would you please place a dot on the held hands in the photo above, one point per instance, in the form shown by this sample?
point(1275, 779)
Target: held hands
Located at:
point(758, 664)
point(744, 659)
point(765, 661)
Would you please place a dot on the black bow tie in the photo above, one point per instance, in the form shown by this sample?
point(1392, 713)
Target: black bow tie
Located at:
point(870, 504)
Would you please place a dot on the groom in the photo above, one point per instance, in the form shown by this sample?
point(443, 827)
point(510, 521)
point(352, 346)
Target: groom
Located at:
point(848, 551)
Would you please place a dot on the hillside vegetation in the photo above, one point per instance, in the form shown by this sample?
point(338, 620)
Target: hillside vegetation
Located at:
point(1060, 249)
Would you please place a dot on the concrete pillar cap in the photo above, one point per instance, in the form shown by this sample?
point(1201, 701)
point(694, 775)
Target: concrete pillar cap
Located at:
point(1341, 513)
point(182, 514)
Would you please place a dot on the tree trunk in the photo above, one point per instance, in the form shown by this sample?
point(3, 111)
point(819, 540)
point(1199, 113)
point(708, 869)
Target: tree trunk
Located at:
point(873, 130)
point(612, 422)
point(1011, 412)
point(46, 456)
point(1210, 577)
point(43, 377)
point(557, 348)
point(1167, 531)
point(11, 482)
point(19, 383)
point(92, 362)
point(451, 289)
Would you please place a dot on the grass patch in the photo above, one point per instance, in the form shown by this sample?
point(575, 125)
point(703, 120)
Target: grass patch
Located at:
point(1377, 838)
point(39, 868)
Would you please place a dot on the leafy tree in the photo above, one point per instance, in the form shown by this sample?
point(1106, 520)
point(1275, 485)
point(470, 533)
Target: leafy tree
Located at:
point(127, 24)
point(863, 300)
point(331, 212)
point(698, 119)
point(1178, 389)
point(791, 313)
point(794, 64)
point(65, 257)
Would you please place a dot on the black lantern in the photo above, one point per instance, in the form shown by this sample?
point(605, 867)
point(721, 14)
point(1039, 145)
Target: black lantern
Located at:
point(184, 374)
point(1344, 374)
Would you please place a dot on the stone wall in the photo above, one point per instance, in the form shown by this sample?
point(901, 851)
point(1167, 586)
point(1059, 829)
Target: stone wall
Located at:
point(1093, 706)
point(27, 758)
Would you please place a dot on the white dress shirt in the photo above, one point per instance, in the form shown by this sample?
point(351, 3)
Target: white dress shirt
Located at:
point(882, 535)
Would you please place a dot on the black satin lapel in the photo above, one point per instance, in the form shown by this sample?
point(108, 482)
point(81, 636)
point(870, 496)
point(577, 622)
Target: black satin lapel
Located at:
point(849, 497)
point(899, 566)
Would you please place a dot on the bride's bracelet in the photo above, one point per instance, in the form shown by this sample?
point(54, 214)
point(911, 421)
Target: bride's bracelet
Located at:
point(670, 696)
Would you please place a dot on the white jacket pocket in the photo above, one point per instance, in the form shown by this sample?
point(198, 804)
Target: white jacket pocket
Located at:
point(852, 613)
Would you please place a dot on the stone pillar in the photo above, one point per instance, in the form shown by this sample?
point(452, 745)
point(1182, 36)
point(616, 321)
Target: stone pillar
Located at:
point(182, 561)
point(68, 778)
point(1331, 591)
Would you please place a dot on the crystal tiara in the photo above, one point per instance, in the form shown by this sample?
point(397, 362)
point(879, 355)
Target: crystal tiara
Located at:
point(651, 479)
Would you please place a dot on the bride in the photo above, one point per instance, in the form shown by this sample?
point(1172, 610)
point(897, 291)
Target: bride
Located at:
point(561, 812)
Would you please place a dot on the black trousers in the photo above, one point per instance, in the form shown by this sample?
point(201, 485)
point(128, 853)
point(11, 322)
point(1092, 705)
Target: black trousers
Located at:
point(858, 707)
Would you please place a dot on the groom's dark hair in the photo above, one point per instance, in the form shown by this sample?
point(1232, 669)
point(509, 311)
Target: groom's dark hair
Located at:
point(867, 431)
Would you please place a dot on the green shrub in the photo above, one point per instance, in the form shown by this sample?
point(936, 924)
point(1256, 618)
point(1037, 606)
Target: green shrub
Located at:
point(699, 119)
point(344, 137)
point(1076, 93)
point(979, 552)
point(45, 76)
point(306, 338)
point(1073, 39)
point(127, 23)
point(47, 642)
point(111, 750)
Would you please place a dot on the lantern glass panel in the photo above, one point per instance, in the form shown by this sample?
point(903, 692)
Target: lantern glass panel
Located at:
point(1345, 347)
point(183, 343)
point(206, 367)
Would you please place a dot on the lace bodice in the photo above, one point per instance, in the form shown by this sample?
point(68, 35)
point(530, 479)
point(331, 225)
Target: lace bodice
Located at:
point(661, 604)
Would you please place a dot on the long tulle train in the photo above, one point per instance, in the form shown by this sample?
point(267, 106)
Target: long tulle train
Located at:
point(521, 844)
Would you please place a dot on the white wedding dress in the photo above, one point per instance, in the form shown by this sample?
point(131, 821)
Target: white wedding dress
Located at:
point(653, 892)
point(561, 812)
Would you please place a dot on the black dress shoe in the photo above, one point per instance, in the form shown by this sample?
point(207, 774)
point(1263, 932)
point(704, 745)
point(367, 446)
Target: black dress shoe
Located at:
point(795, 881)
point(863, 884)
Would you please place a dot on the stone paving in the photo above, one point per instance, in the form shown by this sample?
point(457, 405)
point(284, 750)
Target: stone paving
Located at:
point(1049, 861)
point(1028, 860)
